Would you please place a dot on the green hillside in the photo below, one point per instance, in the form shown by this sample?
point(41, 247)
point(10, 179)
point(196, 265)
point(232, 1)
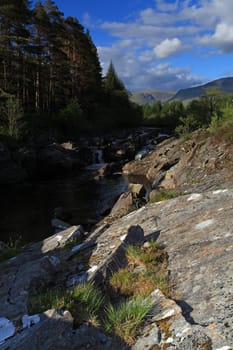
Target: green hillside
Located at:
point(151, 96)
point(223, 84)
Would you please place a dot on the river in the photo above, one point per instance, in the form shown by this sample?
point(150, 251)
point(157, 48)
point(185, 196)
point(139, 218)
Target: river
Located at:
point(26, 210)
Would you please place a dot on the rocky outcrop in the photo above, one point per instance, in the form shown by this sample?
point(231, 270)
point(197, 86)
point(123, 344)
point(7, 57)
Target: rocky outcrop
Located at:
point(199, 163)
point(196, 231)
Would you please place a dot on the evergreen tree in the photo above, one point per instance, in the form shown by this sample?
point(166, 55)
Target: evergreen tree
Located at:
point(86, 78)
point(15, 19)
point(112, 82)
point(121, 112)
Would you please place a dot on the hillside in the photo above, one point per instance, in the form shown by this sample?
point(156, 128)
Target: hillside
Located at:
point(151, 96)
point(224, 84)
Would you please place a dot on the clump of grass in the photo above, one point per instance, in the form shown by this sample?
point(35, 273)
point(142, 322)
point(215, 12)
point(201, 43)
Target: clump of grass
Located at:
point(133, 255)
point(88, 300)
point(221, 127)
point(126, 319)
point(71, 243)
point(84, 302)
point(50, 299)
point(164, 195)
point(146, 270)
point(9, 253)
point(13, 249)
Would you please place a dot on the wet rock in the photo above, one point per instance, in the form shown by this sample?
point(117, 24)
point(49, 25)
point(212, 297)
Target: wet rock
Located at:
point(55, 157)
point(109, 169)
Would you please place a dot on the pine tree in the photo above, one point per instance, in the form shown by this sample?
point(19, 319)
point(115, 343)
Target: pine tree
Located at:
point(86, 78)
point(112, 82)
point(15, 19)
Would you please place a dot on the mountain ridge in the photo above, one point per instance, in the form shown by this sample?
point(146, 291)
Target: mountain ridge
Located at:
point(224, 84)
point(150, 96)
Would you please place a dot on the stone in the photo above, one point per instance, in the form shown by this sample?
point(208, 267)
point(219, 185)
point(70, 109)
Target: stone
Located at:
point(138, 190)
point(123, 205)
point(7, 329)
point(196, 231)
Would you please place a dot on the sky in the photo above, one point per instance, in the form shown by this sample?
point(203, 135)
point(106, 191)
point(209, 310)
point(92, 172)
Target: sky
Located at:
point(159, 44)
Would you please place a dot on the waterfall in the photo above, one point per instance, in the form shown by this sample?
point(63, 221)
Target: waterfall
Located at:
point(99, 156)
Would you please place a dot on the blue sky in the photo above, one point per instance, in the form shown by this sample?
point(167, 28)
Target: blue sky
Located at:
point(159, 44)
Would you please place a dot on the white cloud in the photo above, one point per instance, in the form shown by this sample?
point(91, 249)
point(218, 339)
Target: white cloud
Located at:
point(146, 56)
point(167, 7)
point(159, 32)
point(222, 38)
point(86, 19)
point(138, 73)
point(168, 47)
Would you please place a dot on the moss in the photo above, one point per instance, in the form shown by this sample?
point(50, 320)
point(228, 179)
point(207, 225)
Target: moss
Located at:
point(164, 195)
point(9, 253)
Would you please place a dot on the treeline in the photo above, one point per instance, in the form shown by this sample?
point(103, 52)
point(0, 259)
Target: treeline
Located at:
point(212, 110)
point(50, 74)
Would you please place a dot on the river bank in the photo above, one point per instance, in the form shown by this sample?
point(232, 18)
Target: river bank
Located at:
point(194, 230)
point(83, 178)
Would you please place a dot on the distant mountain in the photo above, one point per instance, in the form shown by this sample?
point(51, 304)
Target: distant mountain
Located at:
point(224, 84)
point(151, 96)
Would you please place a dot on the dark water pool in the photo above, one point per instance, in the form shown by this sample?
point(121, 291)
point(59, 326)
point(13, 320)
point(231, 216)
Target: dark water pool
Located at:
point(27, 210)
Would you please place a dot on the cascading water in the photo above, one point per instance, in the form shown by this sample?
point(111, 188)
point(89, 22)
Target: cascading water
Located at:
point(99, 156)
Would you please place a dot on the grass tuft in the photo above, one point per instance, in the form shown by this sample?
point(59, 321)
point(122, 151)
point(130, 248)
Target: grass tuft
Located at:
point(163, 195)
point(84, 302)
point(146, 270)
point(126, 319)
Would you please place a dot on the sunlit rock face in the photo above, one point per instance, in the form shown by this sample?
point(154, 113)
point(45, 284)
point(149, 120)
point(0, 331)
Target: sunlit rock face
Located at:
point(195, 229)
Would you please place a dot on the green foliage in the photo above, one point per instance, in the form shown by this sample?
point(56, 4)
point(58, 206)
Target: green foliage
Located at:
point(112, 82)
point(163, 116)
point(164, 195)
point(13, 249)
point(11, 117)
point(46, 59)
point(9, 253)
point(126, 319)
point(71, 118)
point(84, 302)
point(145, 271)
point(222, 126)
point(117, 110)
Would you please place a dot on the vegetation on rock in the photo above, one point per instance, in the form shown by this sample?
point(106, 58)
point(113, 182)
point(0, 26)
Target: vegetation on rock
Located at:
point(127, 304)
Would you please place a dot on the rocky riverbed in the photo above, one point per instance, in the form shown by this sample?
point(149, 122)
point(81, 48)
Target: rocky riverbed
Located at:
point(195, 229)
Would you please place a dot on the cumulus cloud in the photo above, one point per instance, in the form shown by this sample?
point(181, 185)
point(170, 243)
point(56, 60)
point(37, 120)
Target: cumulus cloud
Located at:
point(167, 7)
point(168, 47)
point(138, 72)
point(160, 32)
point(222, 38)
